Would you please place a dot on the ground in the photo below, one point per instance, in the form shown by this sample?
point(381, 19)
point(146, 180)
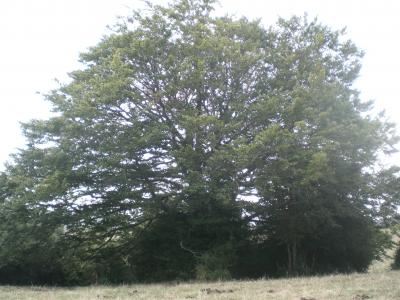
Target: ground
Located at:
point(382, 284)
point(379, 283)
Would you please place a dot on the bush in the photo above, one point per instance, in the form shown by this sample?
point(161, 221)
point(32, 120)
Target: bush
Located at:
point(216, 263)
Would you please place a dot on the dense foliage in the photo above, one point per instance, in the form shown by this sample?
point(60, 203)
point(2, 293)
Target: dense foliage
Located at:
point(194, 146)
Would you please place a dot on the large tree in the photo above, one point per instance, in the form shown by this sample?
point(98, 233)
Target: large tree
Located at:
point(187, 137)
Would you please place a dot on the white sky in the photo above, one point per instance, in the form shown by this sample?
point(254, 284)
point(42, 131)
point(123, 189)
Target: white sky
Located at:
point(41, 41)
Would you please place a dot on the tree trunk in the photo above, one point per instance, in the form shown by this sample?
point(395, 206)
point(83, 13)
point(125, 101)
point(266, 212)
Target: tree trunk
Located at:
point(292, 258)
point(289, 252)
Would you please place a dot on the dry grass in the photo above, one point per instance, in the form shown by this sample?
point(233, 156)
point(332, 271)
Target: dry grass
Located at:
point(378, 283)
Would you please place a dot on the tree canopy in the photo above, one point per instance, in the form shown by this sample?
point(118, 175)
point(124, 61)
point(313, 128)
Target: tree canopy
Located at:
point(199, 146)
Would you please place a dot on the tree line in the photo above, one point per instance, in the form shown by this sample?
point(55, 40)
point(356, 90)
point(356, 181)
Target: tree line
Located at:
point(195, 146)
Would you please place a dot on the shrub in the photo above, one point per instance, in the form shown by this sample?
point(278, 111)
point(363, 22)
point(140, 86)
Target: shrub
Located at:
point(215, 264)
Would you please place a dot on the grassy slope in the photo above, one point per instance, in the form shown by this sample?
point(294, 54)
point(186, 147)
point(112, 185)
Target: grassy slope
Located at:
point(382, 284)
point(378, 283)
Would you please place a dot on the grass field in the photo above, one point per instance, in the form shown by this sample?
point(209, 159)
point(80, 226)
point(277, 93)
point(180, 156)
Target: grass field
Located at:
point(378, 283)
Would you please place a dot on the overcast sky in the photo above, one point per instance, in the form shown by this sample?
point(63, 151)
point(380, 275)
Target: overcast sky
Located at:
point(41, 41)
